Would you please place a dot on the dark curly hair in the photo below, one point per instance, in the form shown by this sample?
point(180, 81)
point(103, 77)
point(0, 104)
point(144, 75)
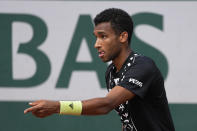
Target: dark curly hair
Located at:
point(119, 19)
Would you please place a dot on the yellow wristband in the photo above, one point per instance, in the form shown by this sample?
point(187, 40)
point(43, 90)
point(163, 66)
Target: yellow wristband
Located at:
point(70, 107)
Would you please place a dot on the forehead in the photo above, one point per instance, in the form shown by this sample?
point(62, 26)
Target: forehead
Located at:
point(104, 27)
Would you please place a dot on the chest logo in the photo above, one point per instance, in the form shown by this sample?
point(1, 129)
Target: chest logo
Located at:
point(116, 80)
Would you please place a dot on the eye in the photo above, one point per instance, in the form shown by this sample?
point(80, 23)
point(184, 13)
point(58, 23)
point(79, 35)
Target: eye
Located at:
point(103, 36)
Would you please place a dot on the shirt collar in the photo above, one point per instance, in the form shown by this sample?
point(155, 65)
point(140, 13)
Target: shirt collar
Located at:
point(125, 65)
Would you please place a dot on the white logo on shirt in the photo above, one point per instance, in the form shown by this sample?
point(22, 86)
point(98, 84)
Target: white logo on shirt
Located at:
point(116, 81)
point(136, 82)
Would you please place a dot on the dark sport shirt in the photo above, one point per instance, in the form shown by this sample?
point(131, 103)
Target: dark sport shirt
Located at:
point(148, 110)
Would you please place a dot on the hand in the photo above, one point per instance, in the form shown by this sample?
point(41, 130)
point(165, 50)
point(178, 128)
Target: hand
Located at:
point(43, 108)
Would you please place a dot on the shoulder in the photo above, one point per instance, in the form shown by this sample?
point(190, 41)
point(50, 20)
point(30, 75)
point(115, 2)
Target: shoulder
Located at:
point(143, 63)
point(144, 60)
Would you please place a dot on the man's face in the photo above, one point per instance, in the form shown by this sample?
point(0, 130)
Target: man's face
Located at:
point(107, 42)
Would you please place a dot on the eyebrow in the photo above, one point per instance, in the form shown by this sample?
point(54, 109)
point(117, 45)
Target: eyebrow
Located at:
point(100, 32)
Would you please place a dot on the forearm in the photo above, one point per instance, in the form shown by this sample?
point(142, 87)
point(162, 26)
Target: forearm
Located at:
point(96, 106)
point(99, 106)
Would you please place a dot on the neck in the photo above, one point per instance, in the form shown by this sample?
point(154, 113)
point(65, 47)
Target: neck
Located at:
point(121, 58)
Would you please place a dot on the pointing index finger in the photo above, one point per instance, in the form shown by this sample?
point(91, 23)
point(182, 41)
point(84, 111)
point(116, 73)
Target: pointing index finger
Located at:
point(34, 108)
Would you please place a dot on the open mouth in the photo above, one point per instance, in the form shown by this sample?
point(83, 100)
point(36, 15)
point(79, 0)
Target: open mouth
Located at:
point(101, 53)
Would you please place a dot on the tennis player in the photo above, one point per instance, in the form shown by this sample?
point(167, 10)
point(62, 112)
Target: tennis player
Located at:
point(135, 85)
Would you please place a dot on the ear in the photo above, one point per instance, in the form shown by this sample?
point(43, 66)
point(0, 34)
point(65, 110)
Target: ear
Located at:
point(123, 37)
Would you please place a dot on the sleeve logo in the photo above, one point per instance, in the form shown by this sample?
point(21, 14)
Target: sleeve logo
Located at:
point(136, 82)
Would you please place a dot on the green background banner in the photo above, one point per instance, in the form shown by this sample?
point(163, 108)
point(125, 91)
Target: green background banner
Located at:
point(13, 119)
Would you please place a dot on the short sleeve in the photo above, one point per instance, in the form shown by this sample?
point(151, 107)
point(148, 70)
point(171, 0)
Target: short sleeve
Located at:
point(139, 77)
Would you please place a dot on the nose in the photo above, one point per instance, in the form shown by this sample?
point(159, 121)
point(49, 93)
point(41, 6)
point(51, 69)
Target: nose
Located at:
point(97, 44)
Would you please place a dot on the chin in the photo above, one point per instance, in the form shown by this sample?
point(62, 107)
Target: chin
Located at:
point(106, 60)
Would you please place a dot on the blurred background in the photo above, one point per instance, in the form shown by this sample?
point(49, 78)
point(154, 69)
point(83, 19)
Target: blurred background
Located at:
point(47, 52)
